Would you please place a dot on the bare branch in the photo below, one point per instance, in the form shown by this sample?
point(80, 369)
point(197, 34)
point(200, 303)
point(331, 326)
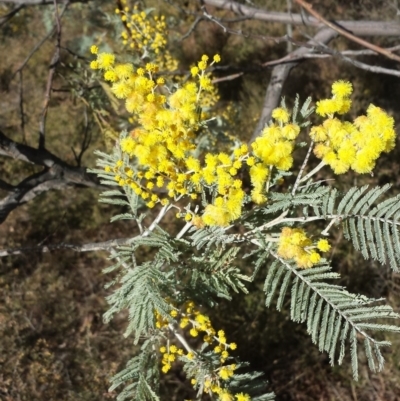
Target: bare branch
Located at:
point(34, 50)
point(95, 246)
point(346, 33)
point(21, 105)
point(30, 188)
point(18, 151)
point(360, 28)
point(56, 175)
point(279, 76)
point(87, 138)
point(39, 44)
point(191, 29)
point(289, 28)
point(367, 52)
point(203, 15)
point(5, 186)
point(5, 18)
point(327, 52)
point(227, 78)
point(372, 68)
point(54, 61)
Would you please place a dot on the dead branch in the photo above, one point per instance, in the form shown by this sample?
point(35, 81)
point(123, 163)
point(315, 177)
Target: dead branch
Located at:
point(40, 44)
point(336, 27)
point(54, 62)
point(5, 18)
point(96, 246)
point(360, 28)
point(56, 175)
point(326, 52)
point(280, 74)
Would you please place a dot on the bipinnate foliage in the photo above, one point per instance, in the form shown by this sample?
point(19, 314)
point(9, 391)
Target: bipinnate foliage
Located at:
point(143, 372)
point(201, 267)
point(242, 202)
point(373, 228)
point(333, 315)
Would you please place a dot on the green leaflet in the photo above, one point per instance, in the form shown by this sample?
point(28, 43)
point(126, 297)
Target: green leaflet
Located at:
point(330, 311)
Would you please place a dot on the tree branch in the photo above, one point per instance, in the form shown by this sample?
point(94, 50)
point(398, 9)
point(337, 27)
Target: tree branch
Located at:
point(360, 28)
point(54, 62)
point(345, 54)
point(95, 246)
point(19, 151)
point(280, 74)
point(346, 33)
point(5, 18)
point(56, 175)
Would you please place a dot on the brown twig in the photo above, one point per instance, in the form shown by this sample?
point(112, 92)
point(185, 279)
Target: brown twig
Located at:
point(346, 33)
point(87, 137)
point(5, 18)
point(367, 67)
point(326, 53)
point(54, 62)
point(227, 78)
point(37, 47)
point(204, 15)
point(360, 28)
point(33, 51)
point(21, 105)
point(192, 28)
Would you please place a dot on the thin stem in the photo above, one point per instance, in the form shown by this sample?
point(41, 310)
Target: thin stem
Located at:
point(271, 223)
point(157, 220)
point(326, 231)
point(289, 28)
point(184, 230)
point(312, 172)
point(303, 166)
point(180, 338)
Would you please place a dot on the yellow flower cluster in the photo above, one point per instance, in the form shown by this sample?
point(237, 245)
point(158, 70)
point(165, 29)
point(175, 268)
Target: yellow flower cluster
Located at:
point(168, 124)
point(169, 355)
point(357, 145)
point(142, 32)
point(160, 321)
point(164, 164)
point(294, 244)
point(340, 102)
point(164, 143)
point(161, 148)
point(147, 35)
point(105, 61)
point(211, 96)
point(274, 147)
point(221, 170)
point(197, 323)
point(201, 323)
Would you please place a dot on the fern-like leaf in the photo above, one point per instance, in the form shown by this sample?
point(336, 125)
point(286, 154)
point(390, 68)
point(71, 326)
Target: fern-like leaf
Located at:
point(373, 230)
point(333, 315)
point(140, 293)
point(140, 376)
